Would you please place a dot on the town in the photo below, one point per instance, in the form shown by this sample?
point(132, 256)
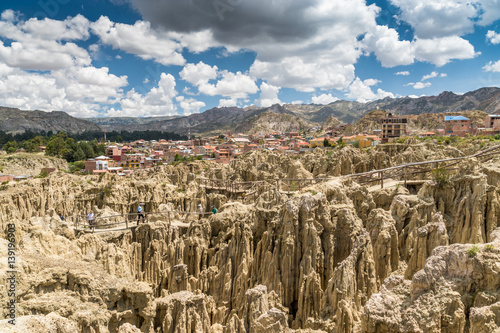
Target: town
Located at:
point(123, 159)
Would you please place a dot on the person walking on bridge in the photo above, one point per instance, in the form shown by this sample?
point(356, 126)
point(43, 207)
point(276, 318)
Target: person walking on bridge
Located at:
point(214, 210)
point(200, 210)
point(140, 213)
point(90, 219)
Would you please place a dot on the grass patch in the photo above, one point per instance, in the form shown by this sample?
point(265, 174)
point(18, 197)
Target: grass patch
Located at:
point(473, 250)
point(490, 247)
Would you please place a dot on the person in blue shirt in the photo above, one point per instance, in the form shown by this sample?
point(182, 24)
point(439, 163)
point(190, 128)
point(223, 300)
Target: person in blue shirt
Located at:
point(140, 213)
point(214, 210)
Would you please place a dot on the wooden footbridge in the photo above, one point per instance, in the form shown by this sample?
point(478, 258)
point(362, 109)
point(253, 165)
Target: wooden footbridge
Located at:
point(400, 174)
point(122, 222)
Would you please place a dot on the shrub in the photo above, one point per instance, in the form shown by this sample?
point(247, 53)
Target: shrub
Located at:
point(473, 250)
point(490, 247)
point(441, 176)
point(42, 175)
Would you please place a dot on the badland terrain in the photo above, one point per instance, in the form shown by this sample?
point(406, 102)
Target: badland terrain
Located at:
point(334, 255)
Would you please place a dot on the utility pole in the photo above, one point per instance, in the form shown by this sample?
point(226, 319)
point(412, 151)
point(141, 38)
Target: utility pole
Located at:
point(189, 132)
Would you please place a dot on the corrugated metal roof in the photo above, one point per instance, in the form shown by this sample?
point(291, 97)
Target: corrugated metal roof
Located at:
point(447, 118)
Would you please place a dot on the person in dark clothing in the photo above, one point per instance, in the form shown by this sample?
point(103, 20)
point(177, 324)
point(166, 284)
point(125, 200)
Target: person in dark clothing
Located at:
point(140, 213)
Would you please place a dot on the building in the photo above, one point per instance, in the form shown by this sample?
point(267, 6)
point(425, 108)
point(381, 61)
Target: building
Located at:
point(393, 127)
point(98, 163)
point(457, 125)
point(492, 123)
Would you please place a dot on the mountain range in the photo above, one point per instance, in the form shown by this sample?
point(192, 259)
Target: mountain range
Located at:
point(288, 117)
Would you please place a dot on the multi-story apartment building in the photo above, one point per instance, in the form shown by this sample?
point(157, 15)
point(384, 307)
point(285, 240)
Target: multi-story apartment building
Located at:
point(457, 125)
point(393, 127)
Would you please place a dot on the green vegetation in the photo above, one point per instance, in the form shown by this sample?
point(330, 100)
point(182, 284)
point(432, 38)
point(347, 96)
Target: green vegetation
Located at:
point(42, 175)
point(473, 250)
point(4, 185)
point(441, 176)
point(490, 247)
point(182, 159)
point(326, 143)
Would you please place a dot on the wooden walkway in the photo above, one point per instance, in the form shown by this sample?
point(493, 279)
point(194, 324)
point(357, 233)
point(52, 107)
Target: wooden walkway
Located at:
point(120, 222)
point(401, 172)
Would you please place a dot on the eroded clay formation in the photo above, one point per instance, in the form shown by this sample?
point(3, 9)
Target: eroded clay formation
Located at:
point(334, 257)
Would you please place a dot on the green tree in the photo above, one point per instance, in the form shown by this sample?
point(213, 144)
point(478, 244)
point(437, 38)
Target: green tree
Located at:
point(326, 143)
point(119, 138)
point(30, 146)
point(11, 147)
point(78, 154)
point(56, 146)
point(87, 149)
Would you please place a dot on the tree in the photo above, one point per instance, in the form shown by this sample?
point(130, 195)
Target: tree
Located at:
point(87, 149)
point(10, 147)
point(326, 143)
point(78, 154)
point(119, 138)
point(56, 147)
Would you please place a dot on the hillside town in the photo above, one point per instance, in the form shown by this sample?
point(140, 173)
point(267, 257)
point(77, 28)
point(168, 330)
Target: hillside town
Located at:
point(123, 159)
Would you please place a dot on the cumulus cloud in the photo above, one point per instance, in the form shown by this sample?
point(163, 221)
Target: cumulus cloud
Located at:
point(324, 99)
point(235, 85)
point(404, 73)
point(493, 37)
point(228, 102)
point(268, 95)
point(435, 19)
point(190, 105)
point(362, 92)
point(388, 49)
point(139, 39)
point(492, 66)
point(430, 76)
point(419, 85)
point(440, 51)
point(159, 101)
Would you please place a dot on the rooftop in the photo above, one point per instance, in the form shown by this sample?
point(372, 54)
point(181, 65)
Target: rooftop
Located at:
point(448, 118)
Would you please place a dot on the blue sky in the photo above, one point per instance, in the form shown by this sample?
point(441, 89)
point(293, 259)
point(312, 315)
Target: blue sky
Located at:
point(168, 57)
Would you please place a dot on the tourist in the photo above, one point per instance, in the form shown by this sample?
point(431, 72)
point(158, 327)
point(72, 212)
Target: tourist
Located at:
point(140, 213)
point(200, 210)
point(214, 210)
point(61, 217)
point(90, 219)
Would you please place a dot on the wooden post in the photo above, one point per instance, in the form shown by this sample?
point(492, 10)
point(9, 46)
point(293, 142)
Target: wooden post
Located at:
point(381, 179)
point(404, 170)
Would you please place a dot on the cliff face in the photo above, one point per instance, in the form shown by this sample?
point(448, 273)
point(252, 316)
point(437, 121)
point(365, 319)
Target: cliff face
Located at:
point(19, 121)
point(22, 164)
point(335, 257)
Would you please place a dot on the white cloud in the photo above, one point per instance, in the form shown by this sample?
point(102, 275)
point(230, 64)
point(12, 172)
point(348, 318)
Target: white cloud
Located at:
point(492, 66)
point(493, 37)
point(139, 39)
point(430, 76)
point(404, 73)
point(190, 105)
point(228, 102)
point(388, 49)
point(157, 102)
point(324, 99)
point(440, 51)
point(421, 85)
point(297, 102)
point(361, 91)
point(268, 95)
point(443, 18)
point(199, 74)
point(235, 85)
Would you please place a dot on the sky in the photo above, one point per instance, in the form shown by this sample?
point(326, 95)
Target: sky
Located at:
point(102, 58)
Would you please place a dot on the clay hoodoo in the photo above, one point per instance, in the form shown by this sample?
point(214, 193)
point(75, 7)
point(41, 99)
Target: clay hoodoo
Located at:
point(335, 256)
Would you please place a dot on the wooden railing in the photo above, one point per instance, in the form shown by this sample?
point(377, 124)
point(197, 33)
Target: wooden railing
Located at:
point(130, 220)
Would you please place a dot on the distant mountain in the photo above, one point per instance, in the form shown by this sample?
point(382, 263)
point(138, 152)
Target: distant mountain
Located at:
point(255, 119)
point(125, 123)
point(19, 121)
